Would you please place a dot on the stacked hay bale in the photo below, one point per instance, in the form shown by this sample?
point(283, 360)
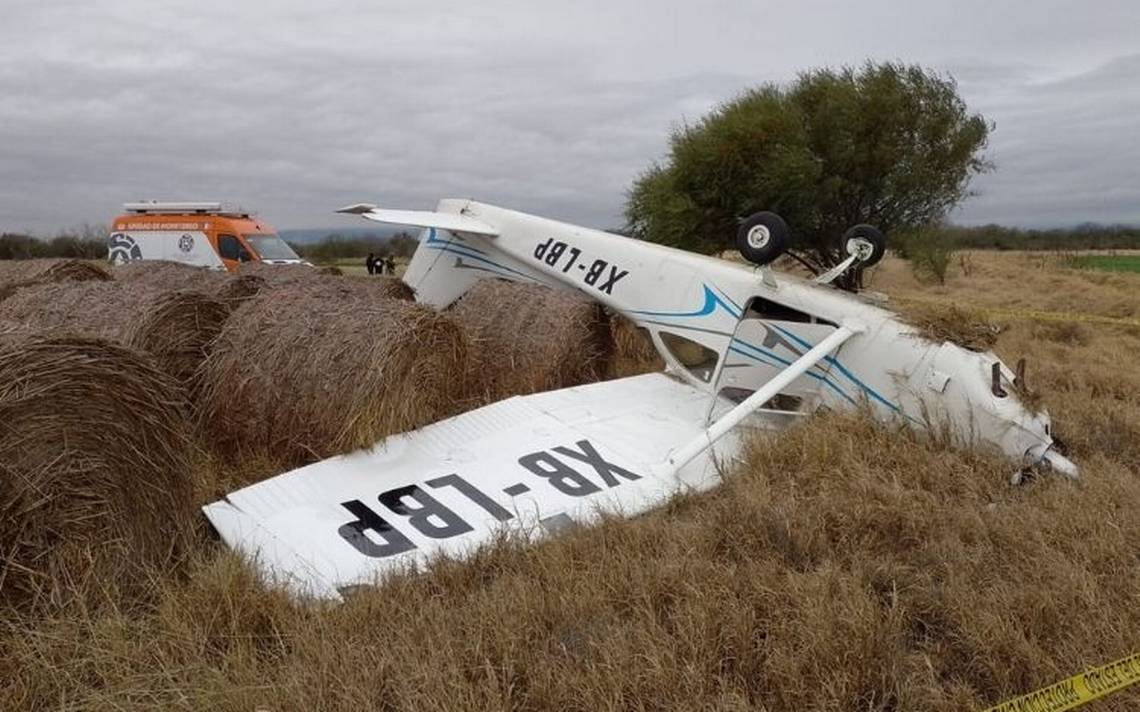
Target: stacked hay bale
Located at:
point(389, 287)
point(290, 276)
point(95, 489)
point(326, 367)
point(249, 280)
point(90, 309)
point(174, 276)
point(633, 350)
point(287, 273)
point(527, 338)
point(171, 275)
point(176, 327)
point(179, 329)
point(15, 274)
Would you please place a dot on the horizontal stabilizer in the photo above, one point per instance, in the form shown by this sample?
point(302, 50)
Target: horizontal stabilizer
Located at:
point(421, 218)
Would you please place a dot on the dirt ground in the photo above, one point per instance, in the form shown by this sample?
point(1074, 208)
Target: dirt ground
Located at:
point(844, 566)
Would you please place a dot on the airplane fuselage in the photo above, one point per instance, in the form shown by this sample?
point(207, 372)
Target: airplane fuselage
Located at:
point(727, 327)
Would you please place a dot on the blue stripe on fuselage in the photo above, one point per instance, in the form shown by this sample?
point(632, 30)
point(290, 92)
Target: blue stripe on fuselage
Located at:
point(712, 300)
point(781, 362)
point(842, 369)
point(464, 251)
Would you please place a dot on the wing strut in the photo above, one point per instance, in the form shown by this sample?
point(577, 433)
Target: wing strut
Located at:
point(705, 439)
point(828, 276)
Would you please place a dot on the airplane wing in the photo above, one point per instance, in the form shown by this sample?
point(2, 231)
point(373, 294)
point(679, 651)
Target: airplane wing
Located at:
point(421, 218)
point(532, 464)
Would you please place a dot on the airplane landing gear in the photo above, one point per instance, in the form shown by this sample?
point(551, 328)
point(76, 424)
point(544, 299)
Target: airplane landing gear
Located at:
point(762, 237)
point(867, 243)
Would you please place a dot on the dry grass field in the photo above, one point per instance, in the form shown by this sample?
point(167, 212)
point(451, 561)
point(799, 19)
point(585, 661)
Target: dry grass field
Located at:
point(843, 566)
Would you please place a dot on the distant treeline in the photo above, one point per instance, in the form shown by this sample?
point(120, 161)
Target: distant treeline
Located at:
point(87, 242)
point(1089, 236)
point(90, 242)
point(336, 247)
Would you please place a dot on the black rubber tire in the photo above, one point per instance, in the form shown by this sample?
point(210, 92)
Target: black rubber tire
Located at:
point(773, 243)
point(871, 234)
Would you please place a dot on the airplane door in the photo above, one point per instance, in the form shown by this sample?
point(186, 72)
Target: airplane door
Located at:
point(768, 338)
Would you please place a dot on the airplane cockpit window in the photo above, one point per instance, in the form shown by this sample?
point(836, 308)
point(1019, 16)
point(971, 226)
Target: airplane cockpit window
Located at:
point(698, 359)
point(761, 308)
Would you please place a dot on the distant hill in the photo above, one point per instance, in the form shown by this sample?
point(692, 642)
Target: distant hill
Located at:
point(314, 235)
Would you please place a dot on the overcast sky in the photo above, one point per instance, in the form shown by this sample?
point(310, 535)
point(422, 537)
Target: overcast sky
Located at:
point(296, 108)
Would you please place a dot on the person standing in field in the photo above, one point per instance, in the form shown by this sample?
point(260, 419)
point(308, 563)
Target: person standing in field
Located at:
point(370, 263)
point(390, 265)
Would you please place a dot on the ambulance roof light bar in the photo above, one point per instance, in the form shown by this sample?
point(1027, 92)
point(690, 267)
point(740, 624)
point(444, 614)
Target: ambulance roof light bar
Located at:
point(157, 207)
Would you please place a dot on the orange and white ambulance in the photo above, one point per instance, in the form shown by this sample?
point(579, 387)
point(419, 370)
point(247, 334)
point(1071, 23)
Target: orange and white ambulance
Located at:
point(202, 234)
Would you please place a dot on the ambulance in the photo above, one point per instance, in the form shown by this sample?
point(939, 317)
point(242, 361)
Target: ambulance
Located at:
point(205, 234)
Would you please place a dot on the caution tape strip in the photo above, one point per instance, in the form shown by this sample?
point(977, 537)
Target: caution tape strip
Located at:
point(1030, 313)
point(1078, 690)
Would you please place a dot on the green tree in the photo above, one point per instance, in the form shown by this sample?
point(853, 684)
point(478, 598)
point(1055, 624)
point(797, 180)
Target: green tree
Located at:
point(930, 251)
point(889, 144)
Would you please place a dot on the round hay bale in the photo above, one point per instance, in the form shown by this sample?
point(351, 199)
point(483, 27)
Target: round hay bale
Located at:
point(633, 349)
point(174, 276)
point(52, 270)
point(288, 276)
point(177, 327)
point(390, 287)
point(284, 274)
point(88, 309)
point(95, 487)
point(12, 329)
point(527, 338)
point(15, 274)
point(170, 275)
point(238, 288)
point(324, 368)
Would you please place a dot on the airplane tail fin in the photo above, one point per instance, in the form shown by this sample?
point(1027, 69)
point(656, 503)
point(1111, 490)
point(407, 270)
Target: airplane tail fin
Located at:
point(455, 252)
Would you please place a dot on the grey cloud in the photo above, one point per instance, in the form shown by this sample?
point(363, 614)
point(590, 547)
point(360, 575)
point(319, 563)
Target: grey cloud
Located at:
point(296, 108)
point(1066, 150)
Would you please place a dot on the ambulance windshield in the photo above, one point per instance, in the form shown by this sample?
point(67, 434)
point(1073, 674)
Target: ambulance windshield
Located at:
point(270, 247)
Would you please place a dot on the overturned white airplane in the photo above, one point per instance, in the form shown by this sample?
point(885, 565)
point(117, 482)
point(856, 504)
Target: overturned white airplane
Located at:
point(744, 346)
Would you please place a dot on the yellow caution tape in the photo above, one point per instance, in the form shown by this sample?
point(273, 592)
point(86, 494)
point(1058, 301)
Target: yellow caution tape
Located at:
point(1076, 691)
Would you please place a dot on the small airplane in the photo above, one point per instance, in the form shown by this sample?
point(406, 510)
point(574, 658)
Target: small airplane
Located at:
point(744, 348)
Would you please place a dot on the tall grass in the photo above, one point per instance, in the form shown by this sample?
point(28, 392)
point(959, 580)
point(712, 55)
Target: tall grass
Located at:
point(843, 566)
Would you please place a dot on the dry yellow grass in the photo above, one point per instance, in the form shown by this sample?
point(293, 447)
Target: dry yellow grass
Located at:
point(843, 567)
point(941, 322)
point(1016, 281)
point(1082, 370)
